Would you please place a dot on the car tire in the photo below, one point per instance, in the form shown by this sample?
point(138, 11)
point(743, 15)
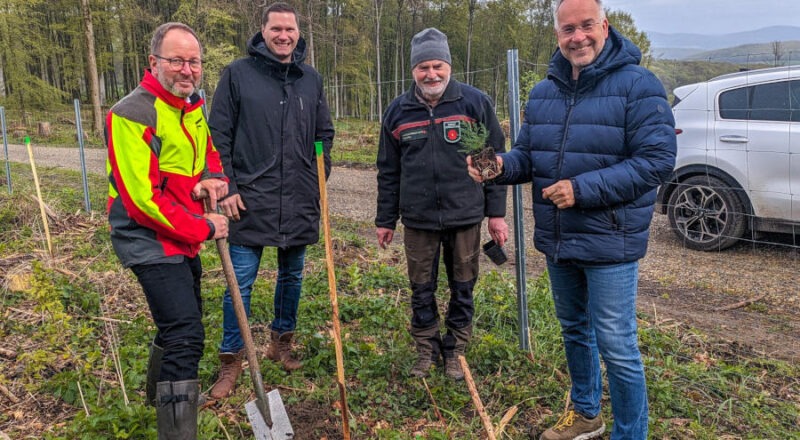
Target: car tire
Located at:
point(706, 214)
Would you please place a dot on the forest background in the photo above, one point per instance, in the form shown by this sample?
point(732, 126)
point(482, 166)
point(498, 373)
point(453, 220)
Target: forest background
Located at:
point(52, 52)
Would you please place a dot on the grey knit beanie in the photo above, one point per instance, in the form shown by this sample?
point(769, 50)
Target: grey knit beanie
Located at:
point(429, 44)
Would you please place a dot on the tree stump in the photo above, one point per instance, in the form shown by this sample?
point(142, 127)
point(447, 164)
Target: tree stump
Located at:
point(44, 129)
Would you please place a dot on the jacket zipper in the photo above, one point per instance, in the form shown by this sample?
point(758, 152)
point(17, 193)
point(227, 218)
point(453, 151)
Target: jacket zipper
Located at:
point(432, 138)
point(560, 164)
point(191, 140)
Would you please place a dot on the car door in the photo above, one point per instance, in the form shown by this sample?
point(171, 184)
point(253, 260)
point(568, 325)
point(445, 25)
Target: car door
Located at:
point(794, 147)
point(764, 138)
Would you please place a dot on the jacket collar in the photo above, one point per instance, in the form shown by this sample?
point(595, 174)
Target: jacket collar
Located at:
point(152, 85)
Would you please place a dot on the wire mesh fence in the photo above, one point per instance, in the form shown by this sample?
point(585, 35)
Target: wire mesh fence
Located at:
point(725, 241)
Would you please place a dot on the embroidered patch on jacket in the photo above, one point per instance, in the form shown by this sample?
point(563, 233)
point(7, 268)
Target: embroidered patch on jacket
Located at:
point(413, 134)
point(452, 131)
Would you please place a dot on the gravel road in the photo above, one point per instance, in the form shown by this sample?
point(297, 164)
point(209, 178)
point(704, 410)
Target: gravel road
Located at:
point(676, 284)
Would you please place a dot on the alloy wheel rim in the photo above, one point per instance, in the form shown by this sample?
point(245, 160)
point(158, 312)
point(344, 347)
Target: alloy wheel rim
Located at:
point(701, 214)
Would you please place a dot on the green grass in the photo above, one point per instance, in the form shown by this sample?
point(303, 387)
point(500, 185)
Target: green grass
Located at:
point(356, 142)
point(81, 313)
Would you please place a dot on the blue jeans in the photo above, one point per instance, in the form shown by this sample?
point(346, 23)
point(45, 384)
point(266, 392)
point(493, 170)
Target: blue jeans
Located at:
point(246, 261)
point(596, 306)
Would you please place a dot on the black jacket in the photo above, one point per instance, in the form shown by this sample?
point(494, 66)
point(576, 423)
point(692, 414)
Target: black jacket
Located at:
point(422, 177)
point(264, 119)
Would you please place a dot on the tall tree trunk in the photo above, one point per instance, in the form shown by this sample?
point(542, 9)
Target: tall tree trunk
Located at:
point(399, 74)
point(91, 68)
point(378, 4)
point(310, 16)
point(470, 25)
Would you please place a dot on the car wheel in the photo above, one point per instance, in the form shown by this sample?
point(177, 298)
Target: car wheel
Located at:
point(706, 214)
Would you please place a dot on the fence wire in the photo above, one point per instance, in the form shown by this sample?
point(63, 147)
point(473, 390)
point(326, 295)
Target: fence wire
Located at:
point(748, 269)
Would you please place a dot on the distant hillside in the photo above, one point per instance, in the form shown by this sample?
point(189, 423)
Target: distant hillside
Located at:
point(751, 53)
point(738, 46)
point(674, 53)
point(711, 42)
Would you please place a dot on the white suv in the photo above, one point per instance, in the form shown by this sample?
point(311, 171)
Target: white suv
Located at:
point(738, 164)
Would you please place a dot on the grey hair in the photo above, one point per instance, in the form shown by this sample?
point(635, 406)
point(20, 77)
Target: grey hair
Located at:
point(557, 4)
point(161, 32)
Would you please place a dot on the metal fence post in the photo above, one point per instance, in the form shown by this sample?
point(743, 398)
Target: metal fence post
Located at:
point(202, 94)
point(79, 128)
point(519, 226)
point(5, 147)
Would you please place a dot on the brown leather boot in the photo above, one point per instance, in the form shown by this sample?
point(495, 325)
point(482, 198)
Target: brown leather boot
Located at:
point(455, 344)
point(229, 370)
point(428, 342)
point(280, 350)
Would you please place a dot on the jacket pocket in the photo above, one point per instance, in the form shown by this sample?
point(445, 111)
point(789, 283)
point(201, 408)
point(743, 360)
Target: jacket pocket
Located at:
point(616, 216)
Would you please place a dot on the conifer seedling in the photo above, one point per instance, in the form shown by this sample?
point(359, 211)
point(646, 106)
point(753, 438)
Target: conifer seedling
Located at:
point(474, 138)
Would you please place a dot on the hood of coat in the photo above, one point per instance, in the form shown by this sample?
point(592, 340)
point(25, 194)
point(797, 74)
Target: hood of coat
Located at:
point(257, 47)
point(617, 52)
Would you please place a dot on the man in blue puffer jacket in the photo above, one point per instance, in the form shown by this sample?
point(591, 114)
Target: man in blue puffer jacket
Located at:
point(597, 140)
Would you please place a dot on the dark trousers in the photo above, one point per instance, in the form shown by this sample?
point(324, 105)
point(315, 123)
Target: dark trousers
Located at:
point(460, 250)
point(173, 294)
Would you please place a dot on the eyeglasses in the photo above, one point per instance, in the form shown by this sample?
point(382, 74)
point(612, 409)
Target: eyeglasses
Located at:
point(569, 30)
point(176, 64)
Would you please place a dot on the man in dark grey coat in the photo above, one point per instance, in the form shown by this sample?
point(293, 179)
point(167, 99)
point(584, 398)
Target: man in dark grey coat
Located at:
point(268, 110)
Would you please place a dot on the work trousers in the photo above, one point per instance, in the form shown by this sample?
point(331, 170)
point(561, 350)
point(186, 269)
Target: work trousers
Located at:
point(460, 250)
point(173, 294)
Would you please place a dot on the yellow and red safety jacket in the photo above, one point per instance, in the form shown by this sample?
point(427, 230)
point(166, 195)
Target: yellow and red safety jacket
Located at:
point(159, 148)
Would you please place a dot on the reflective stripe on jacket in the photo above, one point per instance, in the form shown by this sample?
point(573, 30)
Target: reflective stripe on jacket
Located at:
point(159, 148)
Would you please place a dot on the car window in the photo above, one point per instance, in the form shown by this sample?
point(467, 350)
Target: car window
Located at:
point(734, 104)
point(770, 102)
point(779, 101)
point(795, 101)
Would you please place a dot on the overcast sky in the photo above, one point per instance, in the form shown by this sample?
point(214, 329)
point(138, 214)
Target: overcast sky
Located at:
point(708, 16)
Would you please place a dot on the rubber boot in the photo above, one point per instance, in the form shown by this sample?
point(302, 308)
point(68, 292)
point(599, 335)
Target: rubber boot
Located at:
point(176, 413)
point(455, 344)
point(153, 371)
point(280, 350)
point(230, 367)
point(428, 342)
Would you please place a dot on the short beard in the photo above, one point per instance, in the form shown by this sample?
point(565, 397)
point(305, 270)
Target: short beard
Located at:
point(175, 91)
point(438, 95)
point(172, 88)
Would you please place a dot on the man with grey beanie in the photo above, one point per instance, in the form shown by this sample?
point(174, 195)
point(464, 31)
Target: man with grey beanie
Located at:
point(423, 182)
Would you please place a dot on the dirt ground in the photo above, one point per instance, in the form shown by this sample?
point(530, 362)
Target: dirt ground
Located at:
point(746, 296)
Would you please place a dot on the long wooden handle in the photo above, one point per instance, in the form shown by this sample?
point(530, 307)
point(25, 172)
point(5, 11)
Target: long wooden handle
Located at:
point(39, 195)
point(244, 326)
point(476, 399)
point(337, 331)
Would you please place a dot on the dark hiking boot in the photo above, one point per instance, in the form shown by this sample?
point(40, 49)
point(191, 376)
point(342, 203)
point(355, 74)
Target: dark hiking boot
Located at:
point(455, 345)
point(280, 350)
point(230, 367)
point(176, 409)
point(574, 426)
point(428, 342)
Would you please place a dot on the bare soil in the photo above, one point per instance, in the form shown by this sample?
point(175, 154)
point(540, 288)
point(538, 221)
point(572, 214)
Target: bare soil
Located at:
point(710, 291)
